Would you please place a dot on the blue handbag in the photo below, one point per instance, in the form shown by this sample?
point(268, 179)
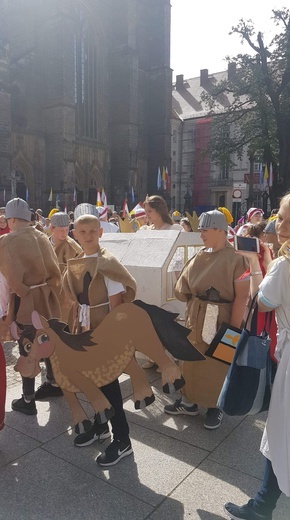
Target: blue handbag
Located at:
point(247, 386)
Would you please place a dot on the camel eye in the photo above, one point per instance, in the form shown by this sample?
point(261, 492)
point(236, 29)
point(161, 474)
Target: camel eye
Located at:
point(27, 348)
point(43, 338)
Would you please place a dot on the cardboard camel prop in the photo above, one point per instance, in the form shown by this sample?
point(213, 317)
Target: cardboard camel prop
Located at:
point(87, 361)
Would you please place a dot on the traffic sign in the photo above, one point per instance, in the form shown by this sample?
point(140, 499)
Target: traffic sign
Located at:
point(237, 195)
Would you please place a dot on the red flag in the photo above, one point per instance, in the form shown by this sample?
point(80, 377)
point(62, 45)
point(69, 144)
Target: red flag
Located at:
point(125, 209)
point(164, 179)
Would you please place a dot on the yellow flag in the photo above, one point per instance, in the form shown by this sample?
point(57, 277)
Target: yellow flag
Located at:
point(266, 173)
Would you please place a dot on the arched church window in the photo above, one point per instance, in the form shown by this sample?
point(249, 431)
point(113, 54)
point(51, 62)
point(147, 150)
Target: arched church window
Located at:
point(87, 65)
point(18, 105)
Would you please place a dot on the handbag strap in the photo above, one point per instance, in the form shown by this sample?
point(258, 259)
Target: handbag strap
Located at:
point(254, 322)
point(254, 316)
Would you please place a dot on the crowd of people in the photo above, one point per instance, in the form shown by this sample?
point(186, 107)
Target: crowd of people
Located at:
point(38, 259)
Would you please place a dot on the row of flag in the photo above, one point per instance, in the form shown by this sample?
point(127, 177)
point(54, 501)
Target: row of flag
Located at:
point(101, 200)
point(266, 176)
point(163, 180)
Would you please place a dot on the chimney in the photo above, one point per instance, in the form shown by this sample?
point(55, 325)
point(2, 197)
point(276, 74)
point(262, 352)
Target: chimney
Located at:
point(203, 77)
point(179, 81)
point(231, 70)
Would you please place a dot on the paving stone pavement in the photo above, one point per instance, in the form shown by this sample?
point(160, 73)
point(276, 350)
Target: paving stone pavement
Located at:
point(178, 471)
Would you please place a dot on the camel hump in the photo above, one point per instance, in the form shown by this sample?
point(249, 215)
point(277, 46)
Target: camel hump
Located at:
point(126, 311)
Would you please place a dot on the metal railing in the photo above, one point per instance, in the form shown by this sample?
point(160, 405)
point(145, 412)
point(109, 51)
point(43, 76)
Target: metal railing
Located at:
point(220, 182)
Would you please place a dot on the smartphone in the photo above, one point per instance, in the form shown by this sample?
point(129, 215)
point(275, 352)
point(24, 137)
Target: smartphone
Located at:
point(250, 244)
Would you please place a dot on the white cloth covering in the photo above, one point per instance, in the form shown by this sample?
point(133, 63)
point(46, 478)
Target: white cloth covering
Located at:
point(109, 228)
point(4, 296)
point(275, 293)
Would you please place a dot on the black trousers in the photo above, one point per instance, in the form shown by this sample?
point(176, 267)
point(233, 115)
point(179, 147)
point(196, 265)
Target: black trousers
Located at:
point(120, 427)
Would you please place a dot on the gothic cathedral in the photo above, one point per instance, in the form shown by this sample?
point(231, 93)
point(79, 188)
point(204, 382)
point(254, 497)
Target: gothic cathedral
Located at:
point(85, 99)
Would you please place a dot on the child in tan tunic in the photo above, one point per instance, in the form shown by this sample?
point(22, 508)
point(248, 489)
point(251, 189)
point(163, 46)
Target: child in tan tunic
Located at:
point(30, 269)
point(97, 282)
point(65, 248)
point(216, 266)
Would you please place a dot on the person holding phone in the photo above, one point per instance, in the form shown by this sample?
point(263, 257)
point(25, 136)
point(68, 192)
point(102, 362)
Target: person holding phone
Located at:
point(210, 285)
point(273, 293)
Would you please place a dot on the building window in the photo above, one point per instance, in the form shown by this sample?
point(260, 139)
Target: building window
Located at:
point(18, 105)
point(174, 137)
point(86, 91)
point(89, 76)
point(224, 171)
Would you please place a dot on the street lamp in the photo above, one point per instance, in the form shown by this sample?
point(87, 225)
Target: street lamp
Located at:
point(187, 201)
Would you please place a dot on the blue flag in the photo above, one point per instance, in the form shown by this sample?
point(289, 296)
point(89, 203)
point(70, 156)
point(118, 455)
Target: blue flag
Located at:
point(159, 180)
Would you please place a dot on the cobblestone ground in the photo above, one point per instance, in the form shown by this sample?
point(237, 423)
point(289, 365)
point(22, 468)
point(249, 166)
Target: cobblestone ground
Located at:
point(11, 355)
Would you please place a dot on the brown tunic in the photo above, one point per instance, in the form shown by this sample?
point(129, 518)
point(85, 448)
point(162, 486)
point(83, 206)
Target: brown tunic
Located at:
point(27, 260)
point(204, 379)
point(105, 264)
point(66, 250)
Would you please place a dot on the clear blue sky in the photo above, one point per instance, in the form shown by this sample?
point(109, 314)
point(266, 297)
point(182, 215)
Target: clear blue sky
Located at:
point(199, 31)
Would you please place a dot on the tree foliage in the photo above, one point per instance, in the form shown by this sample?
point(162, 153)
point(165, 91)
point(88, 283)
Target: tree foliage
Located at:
point(257, 118)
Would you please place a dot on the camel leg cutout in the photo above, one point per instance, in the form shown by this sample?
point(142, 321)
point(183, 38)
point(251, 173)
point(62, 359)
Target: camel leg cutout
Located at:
point(78, 413)
point(96, 397)
point(83, 426)
point(141, 388)
point(170, 388)
point(139, 405)
point(105, 415)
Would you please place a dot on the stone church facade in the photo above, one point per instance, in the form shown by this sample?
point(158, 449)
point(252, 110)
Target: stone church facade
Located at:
point(85, 99)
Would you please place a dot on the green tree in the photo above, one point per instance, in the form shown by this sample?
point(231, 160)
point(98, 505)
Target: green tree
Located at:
point(256, 101)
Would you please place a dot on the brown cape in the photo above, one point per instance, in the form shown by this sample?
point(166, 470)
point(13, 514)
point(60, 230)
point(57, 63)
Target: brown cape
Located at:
point(66, 250)
point(27, 259)
point(104, 265)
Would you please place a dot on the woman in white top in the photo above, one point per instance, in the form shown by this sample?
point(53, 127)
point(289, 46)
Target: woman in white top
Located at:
point(157, 214)
point(159, 219)
point(274, 293)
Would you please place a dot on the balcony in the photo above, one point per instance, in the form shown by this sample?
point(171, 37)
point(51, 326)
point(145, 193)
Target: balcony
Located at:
point(221, 183)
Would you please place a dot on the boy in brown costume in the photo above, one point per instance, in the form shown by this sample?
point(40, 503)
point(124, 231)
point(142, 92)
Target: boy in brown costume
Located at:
point(97, 283)
point(30, 269)
point(65, 248)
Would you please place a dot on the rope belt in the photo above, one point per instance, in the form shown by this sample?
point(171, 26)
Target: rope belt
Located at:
point(84, 313)
point(39, 285)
